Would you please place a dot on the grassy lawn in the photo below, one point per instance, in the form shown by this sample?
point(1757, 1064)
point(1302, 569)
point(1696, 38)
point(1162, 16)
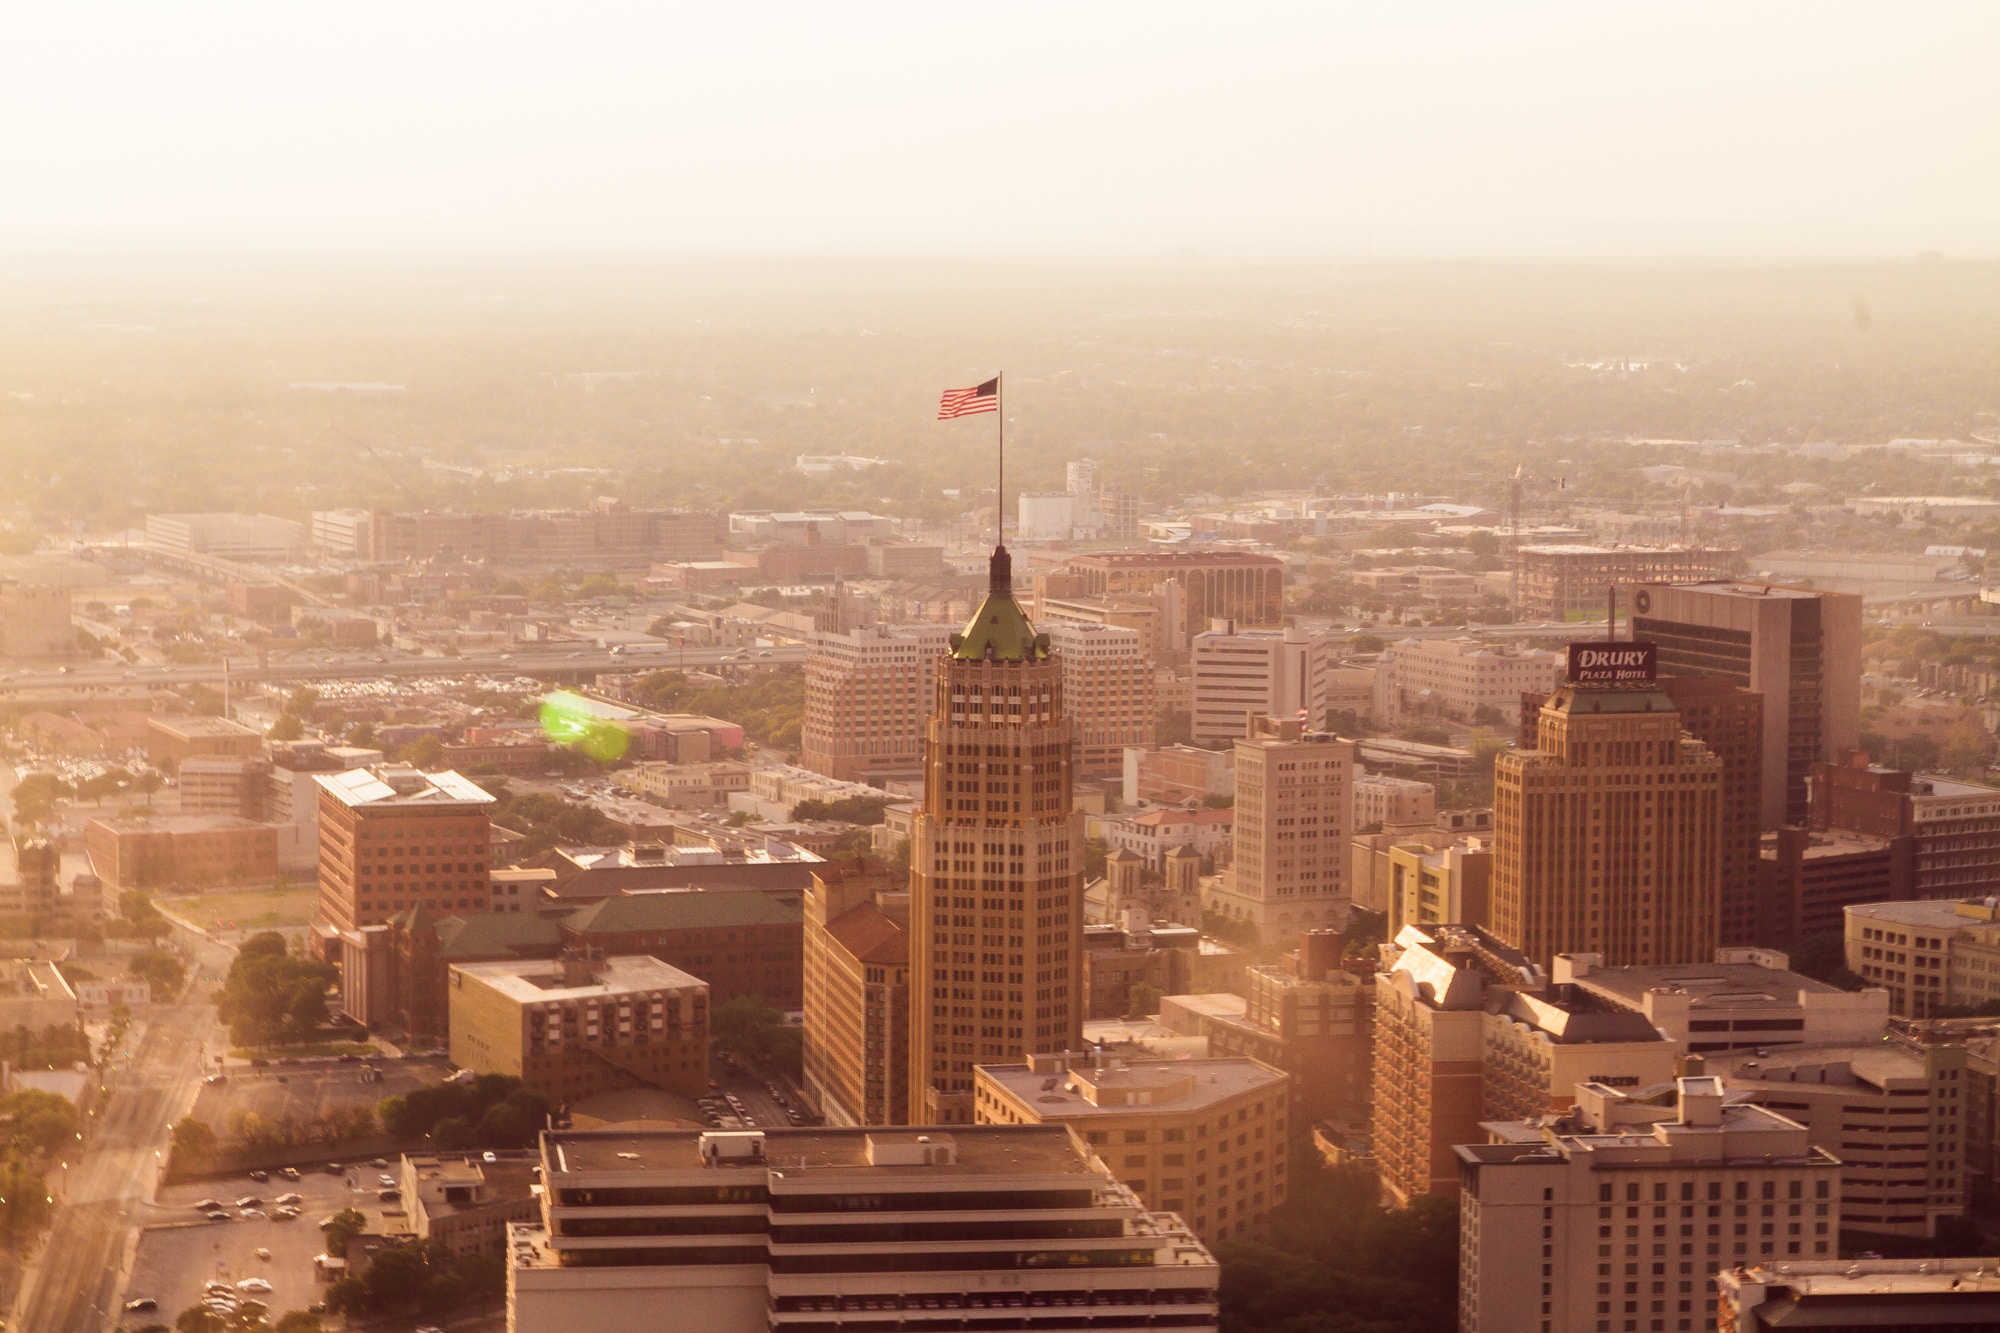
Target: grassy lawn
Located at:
point(246, 909)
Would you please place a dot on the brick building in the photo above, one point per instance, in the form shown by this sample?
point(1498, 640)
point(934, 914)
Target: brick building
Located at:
point(393, 838)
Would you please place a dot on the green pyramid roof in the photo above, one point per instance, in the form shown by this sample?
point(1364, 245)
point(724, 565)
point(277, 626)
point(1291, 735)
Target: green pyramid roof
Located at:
point(1000, 629)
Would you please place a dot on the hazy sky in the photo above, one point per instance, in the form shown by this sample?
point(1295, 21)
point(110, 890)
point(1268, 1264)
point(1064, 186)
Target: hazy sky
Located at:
point(1090, 128)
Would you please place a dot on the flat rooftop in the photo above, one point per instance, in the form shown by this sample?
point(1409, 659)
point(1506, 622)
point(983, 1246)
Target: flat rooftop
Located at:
point(390, 785)
point(1881, 1277)
point(1167, 1086)
point(1831, 842)
point(981, 1150)
point(1931, 913)
point(537, 981)
point(1735, 985)
point(1782, 1066)
point(196, 727)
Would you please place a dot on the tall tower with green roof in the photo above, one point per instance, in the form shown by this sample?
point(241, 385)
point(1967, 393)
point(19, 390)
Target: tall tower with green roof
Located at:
point(996, 870)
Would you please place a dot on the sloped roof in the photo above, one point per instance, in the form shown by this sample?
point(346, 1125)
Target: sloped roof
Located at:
point(870, 936)
point(1000, 629)
point(497, 935)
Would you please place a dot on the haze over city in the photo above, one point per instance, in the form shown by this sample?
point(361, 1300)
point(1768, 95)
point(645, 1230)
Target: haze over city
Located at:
point(557, 775)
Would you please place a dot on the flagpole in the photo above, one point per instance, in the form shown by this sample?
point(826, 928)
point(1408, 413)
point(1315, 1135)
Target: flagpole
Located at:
point(1000, 494)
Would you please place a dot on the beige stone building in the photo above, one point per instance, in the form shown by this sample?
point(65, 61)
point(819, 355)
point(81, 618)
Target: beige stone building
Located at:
point(1456, 678)
point(1108, 693)
point(1928, 955)
point(1202, 1138)
point(868, 695)
point(856, 1048)
point(571, 1027)
point(1290, 858)
point(1607, 838)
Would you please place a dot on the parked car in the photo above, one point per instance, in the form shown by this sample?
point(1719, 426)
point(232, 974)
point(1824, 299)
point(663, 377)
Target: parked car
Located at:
point(217, 1215)
point(260, 1176)
point(208, 1205)
point(248, 1201)
point(290, 1173)
point(141, 1304)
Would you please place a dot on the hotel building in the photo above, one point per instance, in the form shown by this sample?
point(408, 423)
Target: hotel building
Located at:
point(868, 693)
point(1290, 855)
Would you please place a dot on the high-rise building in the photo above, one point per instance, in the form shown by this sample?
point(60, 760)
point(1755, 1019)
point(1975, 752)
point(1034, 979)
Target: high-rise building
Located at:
point(1729, 720)
point(868, 693)
point(1240, 673)
point(1203, 1139)
point(1466, 1031)
point(1799, 648)
point(392, 838)
point(1607, 838)
point(1615, 1219)
point(996, 907)
point(785, 1230)
point(1107, 693)
point(856, 1047)
point(1290, 856)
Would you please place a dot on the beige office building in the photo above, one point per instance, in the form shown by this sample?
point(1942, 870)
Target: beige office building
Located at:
point(1607, 838)
point(1616, 1219)
point(1290, 854)
point(1205, 1139)
point(1456, 678)
point(1241, 673)
point(996, 886)
point(793, 1230)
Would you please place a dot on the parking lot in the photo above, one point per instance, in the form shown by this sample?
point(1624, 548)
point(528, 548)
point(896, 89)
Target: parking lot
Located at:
point(304, 1091)
point(179, 1250)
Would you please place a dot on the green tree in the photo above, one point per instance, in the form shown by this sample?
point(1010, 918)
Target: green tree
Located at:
point(341, 1228)
point(297, 1321)
point(287, 728)
point(162, 971)
point(1142, 1001)
point(452, 1133)
point(193, 1139)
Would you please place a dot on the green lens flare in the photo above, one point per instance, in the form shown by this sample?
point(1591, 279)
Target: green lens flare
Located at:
point(568, 725)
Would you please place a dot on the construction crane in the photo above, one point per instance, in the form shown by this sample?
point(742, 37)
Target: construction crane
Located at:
point(1515, 486)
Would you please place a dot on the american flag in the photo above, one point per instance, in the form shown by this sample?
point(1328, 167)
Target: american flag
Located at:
point(970, 402)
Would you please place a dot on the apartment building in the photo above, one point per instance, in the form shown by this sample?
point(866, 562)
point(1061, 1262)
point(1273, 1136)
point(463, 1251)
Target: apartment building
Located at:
point(1203, 1139)
point(1437, 886)
point(1467, 679)
point(868, 696)
point(1107, 693)
point(1289, 856)
point(572, 1027)
point(1807, 878)
point(1930, 955)
point(1567, 581)
point(856, 1047)
point(393, 838)
point(1615, 1219)
point(1015, 1226)
point(1799, 648)
point(1243, 673)
point(1893, 1111)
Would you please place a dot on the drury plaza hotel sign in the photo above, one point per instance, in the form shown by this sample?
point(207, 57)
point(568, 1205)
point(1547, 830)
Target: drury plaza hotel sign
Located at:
point(1611, 663)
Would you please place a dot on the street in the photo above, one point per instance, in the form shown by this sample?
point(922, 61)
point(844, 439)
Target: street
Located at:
point(73, 1284)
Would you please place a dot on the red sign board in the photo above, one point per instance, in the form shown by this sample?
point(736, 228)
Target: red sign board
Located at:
point(1611, 663)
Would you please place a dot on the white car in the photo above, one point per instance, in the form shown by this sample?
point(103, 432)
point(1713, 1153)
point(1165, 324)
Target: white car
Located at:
point(258, 1285)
